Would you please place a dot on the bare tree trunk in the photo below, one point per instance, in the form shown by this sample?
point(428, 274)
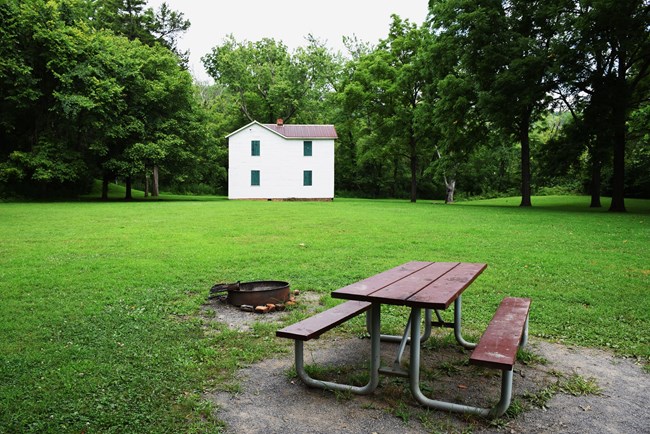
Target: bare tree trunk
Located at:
point(155, 191)
point(451, 188)
point(450, 185)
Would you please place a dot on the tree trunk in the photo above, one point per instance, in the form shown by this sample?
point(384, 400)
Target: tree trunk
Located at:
point(596, 166)
point(155, 191)
point(105, 181)
point(451, 188)
point(618, 178)
point(525, 160)
point(128, 195)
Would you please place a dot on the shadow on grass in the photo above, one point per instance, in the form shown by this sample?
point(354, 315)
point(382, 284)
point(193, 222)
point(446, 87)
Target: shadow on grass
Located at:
point(570, 204)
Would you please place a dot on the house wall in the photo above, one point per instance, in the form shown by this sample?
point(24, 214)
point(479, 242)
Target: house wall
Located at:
point(281, 164)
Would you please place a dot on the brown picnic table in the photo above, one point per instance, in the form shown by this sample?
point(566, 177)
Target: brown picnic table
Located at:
point(432, 286)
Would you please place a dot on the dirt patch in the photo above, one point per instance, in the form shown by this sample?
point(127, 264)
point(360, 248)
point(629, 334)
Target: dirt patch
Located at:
point(237, 319)
point(271, 400)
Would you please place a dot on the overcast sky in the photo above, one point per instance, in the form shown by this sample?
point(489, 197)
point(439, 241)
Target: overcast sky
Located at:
point(288, 21)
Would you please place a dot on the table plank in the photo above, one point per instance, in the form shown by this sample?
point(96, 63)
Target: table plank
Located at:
point(441, 293)
point(401, 290)
point(362, 289)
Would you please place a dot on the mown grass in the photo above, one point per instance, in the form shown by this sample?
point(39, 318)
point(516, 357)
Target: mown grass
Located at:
point(99, 315)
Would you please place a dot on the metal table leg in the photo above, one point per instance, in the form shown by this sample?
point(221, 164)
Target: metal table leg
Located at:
point(403, 340)
point(457, 325)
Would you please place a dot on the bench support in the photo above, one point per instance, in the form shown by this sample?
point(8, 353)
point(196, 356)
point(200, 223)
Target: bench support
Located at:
point(414, 380)
point(370, 387)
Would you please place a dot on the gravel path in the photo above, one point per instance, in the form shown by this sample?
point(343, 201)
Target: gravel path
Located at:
point(271, 401)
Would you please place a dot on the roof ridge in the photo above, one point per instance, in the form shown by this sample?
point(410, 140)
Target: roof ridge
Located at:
point(301, 125)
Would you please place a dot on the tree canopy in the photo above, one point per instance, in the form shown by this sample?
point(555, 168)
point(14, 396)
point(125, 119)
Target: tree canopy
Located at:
point(487, 97)
point(81, 101)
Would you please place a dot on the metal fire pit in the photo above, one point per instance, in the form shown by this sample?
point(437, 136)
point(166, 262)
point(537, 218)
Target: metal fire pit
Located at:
point(256, 293)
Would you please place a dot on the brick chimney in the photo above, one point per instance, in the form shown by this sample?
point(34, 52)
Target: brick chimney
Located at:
point(280, 122)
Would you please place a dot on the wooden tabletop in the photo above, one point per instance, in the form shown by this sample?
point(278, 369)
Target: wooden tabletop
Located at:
point(430, 285)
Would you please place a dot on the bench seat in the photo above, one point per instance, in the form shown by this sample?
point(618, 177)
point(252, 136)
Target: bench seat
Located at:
point(506, 332)
point(318, 324)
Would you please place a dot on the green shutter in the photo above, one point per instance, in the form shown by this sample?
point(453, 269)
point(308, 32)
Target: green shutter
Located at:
point(255, 177)
point(306, 177)
point(307, 148)
point(255, 148)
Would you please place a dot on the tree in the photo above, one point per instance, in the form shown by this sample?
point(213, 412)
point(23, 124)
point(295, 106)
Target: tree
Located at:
point(78, 102)
point(608, 44)
point(132, 19)
point(152, 129)
point(38, 155)
point(168, 26)
point(267, 81)
point(454, 120)
point(386, 89)
point(129, 18)
point(506, 47)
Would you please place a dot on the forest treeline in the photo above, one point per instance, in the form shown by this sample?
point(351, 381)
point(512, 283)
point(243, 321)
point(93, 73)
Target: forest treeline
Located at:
point(485, 98)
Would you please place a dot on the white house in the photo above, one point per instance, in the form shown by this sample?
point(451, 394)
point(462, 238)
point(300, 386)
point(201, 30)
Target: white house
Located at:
point(278, 161)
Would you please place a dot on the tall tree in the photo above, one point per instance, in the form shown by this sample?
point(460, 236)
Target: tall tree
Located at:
point(133, 19)
point(506, 46)
point(168, 26)
point(152, 127)
point(607, 54)
point(130, 18)
point(387, 87)
point(454, 120)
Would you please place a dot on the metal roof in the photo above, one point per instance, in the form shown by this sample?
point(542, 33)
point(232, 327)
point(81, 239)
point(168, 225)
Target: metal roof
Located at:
point(298, 131)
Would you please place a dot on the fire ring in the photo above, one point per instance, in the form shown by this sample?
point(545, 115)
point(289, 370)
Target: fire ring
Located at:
point(255, 293)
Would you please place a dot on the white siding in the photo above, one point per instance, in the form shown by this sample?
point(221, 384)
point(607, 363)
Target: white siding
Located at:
point(281, 164)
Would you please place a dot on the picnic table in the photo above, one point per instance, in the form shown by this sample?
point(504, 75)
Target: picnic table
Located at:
point(432, 286)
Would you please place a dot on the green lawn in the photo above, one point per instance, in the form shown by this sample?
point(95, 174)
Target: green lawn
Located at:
point(99, 314)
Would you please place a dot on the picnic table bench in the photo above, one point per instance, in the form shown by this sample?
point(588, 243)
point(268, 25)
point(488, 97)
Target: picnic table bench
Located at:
point(432, 286)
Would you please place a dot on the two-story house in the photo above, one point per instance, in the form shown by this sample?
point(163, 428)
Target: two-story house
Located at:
point(282, 162)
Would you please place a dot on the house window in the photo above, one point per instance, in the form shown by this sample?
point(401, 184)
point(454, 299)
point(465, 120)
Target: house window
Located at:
point(255, 177)
point(306, 177)
point(306, 148)
point(255, 148)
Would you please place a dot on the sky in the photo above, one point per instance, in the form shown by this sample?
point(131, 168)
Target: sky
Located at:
point(289, 21)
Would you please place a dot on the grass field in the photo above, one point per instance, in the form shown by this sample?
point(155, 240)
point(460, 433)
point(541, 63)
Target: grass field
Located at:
point(99, 314)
